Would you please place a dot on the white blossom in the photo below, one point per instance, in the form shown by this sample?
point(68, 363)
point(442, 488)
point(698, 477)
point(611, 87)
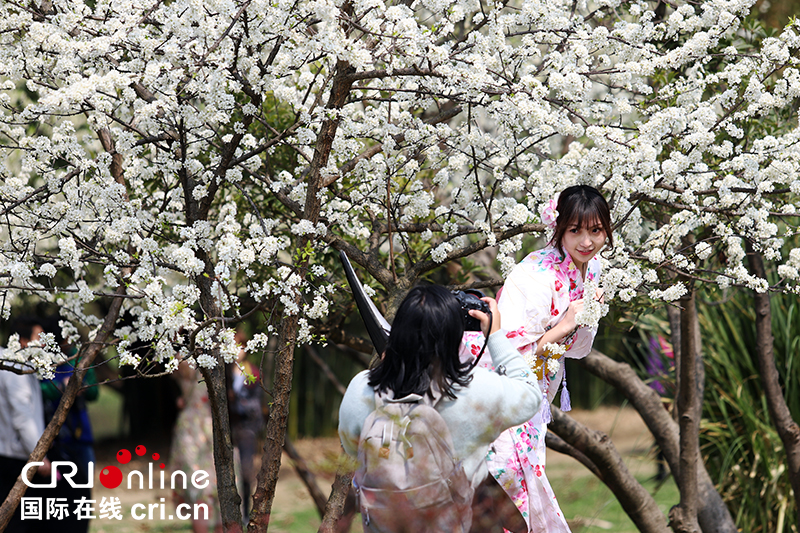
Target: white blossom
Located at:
point(439, 253)
point(554, 350)
point(703, 250)
point(205, 361)
point(670, 294)
point(592, 310)
point(47, 269)
point(126, 358)
point(553, 365)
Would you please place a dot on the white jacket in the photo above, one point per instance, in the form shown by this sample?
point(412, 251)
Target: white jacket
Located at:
point(21, 414)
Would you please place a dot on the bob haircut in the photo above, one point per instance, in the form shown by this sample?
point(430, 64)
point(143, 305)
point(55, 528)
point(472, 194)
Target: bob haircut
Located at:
point(581, 205)
point(423, 346)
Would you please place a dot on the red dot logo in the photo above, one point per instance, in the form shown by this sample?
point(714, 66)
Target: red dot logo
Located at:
point(110, 477)
point(124, 457)
point(155, 457)
point(163, 466)
point(141, 450)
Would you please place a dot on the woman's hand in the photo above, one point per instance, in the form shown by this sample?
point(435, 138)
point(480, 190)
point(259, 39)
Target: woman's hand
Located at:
point(574, 308)
point(568, 321)
point(484, 318)
point(565, 327)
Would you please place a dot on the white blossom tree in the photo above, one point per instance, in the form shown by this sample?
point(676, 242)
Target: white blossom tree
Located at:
point(186, 164)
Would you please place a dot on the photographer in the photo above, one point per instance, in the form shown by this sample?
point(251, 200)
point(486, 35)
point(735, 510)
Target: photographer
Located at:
point(421, 364)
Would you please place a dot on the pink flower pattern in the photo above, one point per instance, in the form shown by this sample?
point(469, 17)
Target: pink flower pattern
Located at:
point(515, 333)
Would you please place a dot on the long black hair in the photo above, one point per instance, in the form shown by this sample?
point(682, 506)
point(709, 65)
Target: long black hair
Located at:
point(581, 205)
point(423, 346)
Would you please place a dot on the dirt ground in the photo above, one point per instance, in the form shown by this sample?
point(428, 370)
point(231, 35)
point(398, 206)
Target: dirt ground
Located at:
point(293, 508)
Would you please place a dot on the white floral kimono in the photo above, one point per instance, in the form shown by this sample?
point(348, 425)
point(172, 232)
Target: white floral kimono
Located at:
point(534, 298)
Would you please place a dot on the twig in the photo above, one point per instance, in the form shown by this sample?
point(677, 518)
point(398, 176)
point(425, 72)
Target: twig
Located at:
point(308, 477)
point(326, 369)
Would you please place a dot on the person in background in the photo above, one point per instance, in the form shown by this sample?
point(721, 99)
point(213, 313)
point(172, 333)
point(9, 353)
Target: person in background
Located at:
point(193, 448)
point(21, 421)
point(75, 441)
point(247, 418)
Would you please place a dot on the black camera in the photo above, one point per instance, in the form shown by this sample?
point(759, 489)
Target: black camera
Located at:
point(471, 299)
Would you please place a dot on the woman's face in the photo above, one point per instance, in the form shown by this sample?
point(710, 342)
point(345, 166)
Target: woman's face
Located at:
point(582, 243)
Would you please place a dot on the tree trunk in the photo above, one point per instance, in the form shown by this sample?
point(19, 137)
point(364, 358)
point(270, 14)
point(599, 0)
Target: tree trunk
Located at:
point(229, 500)
point(776, 403)
point(276, 428)
point(597, 446)
point(338, 514)
point(674, 315)
point(683, 517)
point(282, 384)
point(713, 514)
point(227, 492)
point(74, 385)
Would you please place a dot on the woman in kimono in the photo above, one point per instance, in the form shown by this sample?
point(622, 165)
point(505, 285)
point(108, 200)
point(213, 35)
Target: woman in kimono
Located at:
point(539, 302)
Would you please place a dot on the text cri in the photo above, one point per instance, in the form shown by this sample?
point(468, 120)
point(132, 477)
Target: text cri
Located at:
point(199, 478)
point(152, 511)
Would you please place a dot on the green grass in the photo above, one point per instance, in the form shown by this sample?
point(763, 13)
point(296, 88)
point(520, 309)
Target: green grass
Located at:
point(591, 506)
point(303, 521)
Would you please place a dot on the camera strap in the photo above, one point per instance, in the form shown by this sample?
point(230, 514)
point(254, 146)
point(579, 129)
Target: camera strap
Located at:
point(485, 342)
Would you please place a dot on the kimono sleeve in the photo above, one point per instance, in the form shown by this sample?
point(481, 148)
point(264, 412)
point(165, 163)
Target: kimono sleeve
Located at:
point(582, 343)
point(525, 306)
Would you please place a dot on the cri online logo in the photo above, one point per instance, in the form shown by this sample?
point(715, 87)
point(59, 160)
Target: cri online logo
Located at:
point(111, 476)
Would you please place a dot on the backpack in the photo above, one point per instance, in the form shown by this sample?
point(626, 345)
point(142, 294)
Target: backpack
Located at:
point(407, 480)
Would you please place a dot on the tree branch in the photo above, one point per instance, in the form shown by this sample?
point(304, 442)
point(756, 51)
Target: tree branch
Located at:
point(325, 370)
point(770, 378)
point(308, 477)
point(424, 266)
point(634, 498)
point(337, 519)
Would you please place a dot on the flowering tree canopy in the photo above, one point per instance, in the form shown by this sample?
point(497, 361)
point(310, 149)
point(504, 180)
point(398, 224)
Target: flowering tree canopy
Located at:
point(148, 147)
point(200, 159)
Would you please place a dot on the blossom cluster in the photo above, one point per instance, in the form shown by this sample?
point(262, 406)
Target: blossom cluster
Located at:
point(206, 160)
point(594, 306)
